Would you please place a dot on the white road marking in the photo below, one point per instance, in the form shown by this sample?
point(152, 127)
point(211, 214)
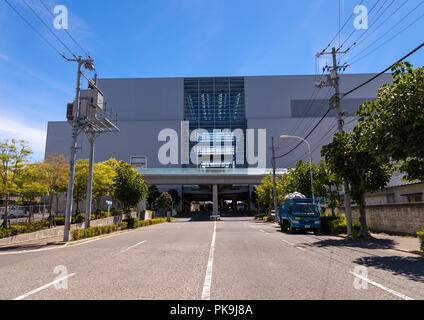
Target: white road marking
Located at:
point(131, 247)
point(400, 295)
point(44, 287)
point(292, 244)
point(206, 294)
point(261, 230)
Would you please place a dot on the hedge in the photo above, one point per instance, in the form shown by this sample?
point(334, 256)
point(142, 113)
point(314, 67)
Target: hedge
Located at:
point(333, 224)
point(337, 225)
point(260, 216)
point(93, 231)
point(268, 219)
point(420, 235)
point(23, 227)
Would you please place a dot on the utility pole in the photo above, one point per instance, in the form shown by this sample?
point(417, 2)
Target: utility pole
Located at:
point(72, 160)
point(83, 116)
point(335, 104)
point(273, 180)
point(91, 138)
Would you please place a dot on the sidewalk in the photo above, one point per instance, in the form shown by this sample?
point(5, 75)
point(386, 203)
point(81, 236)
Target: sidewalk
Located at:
point(31, 244)
point(406, 244)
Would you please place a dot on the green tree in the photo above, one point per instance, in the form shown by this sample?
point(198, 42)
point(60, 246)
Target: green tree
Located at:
point(29, 187)
point(301, 178)
point(128, 186)
point(265, 191)
point(175, 196)
point(326, 184)
point(54, 172)
point(394, 122)
point(349, 158)
point(80, 183)
point(163, 202)
point(13, 157)
point(153, 194)
point(103, 177)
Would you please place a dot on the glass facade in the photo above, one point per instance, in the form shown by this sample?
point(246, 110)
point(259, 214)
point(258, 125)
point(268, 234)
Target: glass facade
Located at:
point(215, 104)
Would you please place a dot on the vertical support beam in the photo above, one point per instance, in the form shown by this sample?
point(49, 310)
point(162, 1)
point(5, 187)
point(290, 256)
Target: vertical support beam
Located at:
point(73, 158)
point(215, 199)
point(91, 137)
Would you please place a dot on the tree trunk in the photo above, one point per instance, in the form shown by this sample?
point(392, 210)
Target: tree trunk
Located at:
point(57, 207)
point(6, 210)
point(51, 210)
point(362, 215)
point(168, 216)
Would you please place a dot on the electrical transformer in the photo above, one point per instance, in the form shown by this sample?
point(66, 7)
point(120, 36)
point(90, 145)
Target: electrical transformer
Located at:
point(90, 102)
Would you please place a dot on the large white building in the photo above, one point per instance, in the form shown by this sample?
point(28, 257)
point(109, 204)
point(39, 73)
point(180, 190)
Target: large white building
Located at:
point(282, 105)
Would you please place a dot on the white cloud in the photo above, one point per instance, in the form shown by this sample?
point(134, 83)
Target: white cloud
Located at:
point(16, 128)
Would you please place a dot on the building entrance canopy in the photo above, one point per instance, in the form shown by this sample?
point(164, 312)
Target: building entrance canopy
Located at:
point(195, 176)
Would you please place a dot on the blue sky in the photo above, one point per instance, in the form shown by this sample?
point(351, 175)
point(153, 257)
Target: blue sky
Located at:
point(173, 38)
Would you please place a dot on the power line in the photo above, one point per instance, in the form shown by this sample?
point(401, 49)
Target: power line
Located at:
point(67, 32)
point(382, 72)
point(35, 30)
point(51, 31)
point(375, 21)
point(349, 92)
point(395, 36)
point(344, 25)
point(354, 30)
point(394, 26)
point(313, 129)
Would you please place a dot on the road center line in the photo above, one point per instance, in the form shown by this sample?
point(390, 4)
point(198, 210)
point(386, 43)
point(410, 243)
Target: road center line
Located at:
point(206, 294)
point(131, 247)
point(397, 294)
point(44, 287)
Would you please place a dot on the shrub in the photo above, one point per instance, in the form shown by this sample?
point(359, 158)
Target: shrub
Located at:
point(333, 224)
point(117, 212)
point(268, 219)
point(60, 221)
point(23, 227)
point(356, 228)
point(260, 216)
point(124, 225)
point(421, 238)
point(5, 233)
point(79, 218)
point(99, 215)
point(93, 231)
point(149, 222)
point(132, 222)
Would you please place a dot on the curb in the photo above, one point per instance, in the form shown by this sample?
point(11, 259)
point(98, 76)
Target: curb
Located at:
point(72, 243)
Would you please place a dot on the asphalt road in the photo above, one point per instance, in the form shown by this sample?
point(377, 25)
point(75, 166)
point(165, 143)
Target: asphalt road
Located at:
point(236, 258)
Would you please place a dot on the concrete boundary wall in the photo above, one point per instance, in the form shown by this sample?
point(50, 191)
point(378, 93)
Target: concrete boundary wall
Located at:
point(403, 218)
point(58, 231)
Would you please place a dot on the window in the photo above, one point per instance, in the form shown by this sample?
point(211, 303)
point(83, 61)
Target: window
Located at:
point(414, 197)
point(138, 162)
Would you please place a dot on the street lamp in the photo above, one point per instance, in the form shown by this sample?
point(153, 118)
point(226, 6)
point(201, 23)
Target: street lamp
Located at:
point(310, 157)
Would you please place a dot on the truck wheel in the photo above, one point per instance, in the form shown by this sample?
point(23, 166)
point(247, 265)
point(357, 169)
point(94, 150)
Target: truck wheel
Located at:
point(290, 228)
point(316, 232)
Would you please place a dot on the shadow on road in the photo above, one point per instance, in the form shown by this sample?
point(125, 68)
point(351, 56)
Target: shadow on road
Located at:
point(372, 244)
point(410, 267)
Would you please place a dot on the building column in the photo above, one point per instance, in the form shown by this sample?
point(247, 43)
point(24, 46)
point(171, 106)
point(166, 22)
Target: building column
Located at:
point(215, 199)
